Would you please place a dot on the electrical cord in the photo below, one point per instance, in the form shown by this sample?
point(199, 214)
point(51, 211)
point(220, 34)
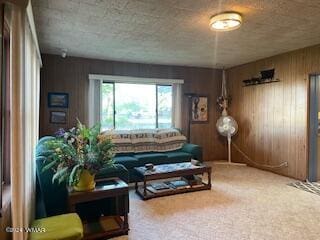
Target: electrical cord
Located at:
point(284, 164)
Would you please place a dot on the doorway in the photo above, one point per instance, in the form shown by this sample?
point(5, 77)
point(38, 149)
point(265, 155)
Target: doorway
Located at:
point(314, 129)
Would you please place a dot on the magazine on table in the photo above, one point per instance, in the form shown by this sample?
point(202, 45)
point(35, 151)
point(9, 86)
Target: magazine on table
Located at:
point(178, 184)
point(158, 187)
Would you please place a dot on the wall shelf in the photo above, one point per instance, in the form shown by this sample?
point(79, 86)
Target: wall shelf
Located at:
point(266, 76)
point(254, 81)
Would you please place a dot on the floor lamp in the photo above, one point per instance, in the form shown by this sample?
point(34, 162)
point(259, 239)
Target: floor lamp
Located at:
point(189, 96)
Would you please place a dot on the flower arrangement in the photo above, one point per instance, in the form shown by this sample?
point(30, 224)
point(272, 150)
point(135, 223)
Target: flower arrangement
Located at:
point(78, 150)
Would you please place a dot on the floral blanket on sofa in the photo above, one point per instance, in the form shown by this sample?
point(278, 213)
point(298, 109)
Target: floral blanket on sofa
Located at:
point(146, 140)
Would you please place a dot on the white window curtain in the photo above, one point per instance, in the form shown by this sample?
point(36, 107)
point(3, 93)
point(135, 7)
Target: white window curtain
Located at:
point(94, 103)
point(176, 105)
point(25, 69)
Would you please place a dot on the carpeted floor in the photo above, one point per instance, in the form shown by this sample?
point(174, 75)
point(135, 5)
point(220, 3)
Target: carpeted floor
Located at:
point(244, 203)
point(313, 187)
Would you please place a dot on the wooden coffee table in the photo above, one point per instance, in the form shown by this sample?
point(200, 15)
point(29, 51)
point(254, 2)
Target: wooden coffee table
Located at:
point(166, 171)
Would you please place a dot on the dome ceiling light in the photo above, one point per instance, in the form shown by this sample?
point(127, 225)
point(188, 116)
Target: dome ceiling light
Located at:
point(225, 21)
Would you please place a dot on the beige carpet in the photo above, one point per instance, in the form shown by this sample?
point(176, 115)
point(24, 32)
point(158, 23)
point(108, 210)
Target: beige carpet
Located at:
point(244, 203)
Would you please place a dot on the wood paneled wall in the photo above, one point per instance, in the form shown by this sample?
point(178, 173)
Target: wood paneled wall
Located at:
point(273, 118)
point(70, 75)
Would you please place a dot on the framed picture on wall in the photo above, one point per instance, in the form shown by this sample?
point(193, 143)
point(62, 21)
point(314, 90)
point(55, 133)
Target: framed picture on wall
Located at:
point(58, 100)
point(58, 117)
point(199, 109)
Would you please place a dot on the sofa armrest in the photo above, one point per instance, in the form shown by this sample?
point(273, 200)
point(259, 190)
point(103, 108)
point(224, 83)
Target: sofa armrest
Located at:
point(194, 150)
point(117, 170)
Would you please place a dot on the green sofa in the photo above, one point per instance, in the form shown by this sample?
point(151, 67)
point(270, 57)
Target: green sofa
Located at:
point(132, 160)
point(135, 148)
point(52, 198)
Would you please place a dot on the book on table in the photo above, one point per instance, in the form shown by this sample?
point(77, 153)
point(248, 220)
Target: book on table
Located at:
point(159, 186)
point(184, 182)
point(178, 184)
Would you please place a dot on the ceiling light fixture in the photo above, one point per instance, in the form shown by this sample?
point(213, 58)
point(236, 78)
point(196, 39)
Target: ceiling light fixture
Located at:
point(225, 21)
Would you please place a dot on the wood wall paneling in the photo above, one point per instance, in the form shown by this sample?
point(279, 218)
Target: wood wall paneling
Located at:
point(71, 75)
point(273, 118)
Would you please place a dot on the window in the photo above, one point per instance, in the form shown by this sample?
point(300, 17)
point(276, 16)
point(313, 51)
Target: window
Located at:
point(136, 106)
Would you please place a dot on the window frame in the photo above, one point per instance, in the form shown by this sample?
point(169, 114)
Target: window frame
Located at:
point(156, 85)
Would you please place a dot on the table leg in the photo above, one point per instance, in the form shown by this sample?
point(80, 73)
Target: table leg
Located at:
point(125, 220)
point(209, 178)
point(117, 205)
point(144, 187)
point(136, 186)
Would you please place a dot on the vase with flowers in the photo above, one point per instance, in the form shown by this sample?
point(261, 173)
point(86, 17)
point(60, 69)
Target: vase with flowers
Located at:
point(77, 155)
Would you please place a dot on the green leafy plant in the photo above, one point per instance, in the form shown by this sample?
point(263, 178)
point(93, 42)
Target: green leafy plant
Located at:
point(80, 148)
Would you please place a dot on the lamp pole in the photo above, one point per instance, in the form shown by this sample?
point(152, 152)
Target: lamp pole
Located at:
point(189, 96)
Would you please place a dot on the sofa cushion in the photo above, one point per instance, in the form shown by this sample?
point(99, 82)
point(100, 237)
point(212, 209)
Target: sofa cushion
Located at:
point(194, 150)
point(178, 156)
point(143, 140)
point(127, 161)
point(146, 140)
point(66, 226)
point(124, 154)
point(121, 140)
point(154, 158)
point(169, 140)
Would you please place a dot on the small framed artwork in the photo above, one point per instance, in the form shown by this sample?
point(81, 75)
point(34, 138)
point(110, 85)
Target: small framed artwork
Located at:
point(58, 117)
point(199, 111)
point(58, 100)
